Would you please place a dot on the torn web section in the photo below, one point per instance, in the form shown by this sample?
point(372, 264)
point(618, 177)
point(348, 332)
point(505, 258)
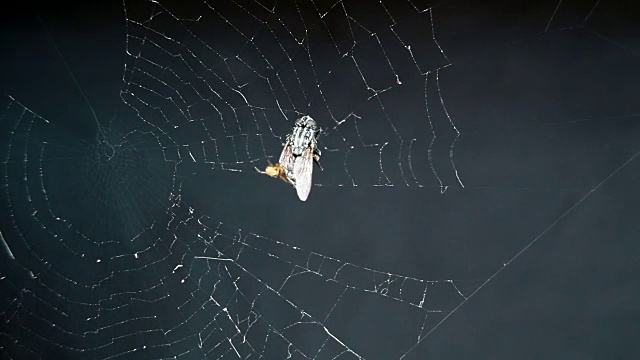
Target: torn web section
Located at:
point(305, 297)
point(229, 310)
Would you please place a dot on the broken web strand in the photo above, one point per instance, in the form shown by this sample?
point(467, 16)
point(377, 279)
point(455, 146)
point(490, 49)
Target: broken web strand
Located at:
point(239, 245)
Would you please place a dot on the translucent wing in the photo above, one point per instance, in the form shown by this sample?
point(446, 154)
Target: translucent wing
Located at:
point(287, 159)
point(302, 173)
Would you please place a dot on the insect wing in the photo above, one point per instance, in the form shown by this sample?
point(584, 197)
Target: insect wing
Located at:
point(302, 173)
point(287, 159)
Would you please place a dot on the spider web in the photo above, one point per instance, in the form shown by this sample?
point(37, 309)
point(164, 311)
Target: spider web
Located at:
point(213, 89)
point(284, 62)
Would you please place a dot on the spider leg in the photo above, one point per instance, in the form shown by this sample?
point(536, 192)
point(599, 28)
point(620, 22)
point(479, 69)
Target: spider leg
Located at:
point(262, 172)
point(284, 178)
point(316, 156)
point(316, 159)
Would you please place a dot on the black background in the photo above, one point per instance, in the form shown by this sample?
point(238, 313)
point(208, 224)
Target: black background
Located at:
point(541, 240)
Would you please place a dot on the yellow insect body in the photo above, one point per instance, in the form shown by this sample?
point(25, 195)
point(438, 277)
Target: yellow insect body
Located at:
point(275, 170)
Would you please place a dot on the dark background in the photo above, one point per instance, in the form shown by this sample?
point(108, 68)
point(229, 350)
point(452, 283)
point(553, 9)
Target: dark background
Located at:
point(539, 236)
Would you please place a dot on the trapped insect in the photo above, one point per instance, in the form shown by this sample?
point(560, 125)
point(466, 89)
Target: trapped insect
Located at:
point(295, 165)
